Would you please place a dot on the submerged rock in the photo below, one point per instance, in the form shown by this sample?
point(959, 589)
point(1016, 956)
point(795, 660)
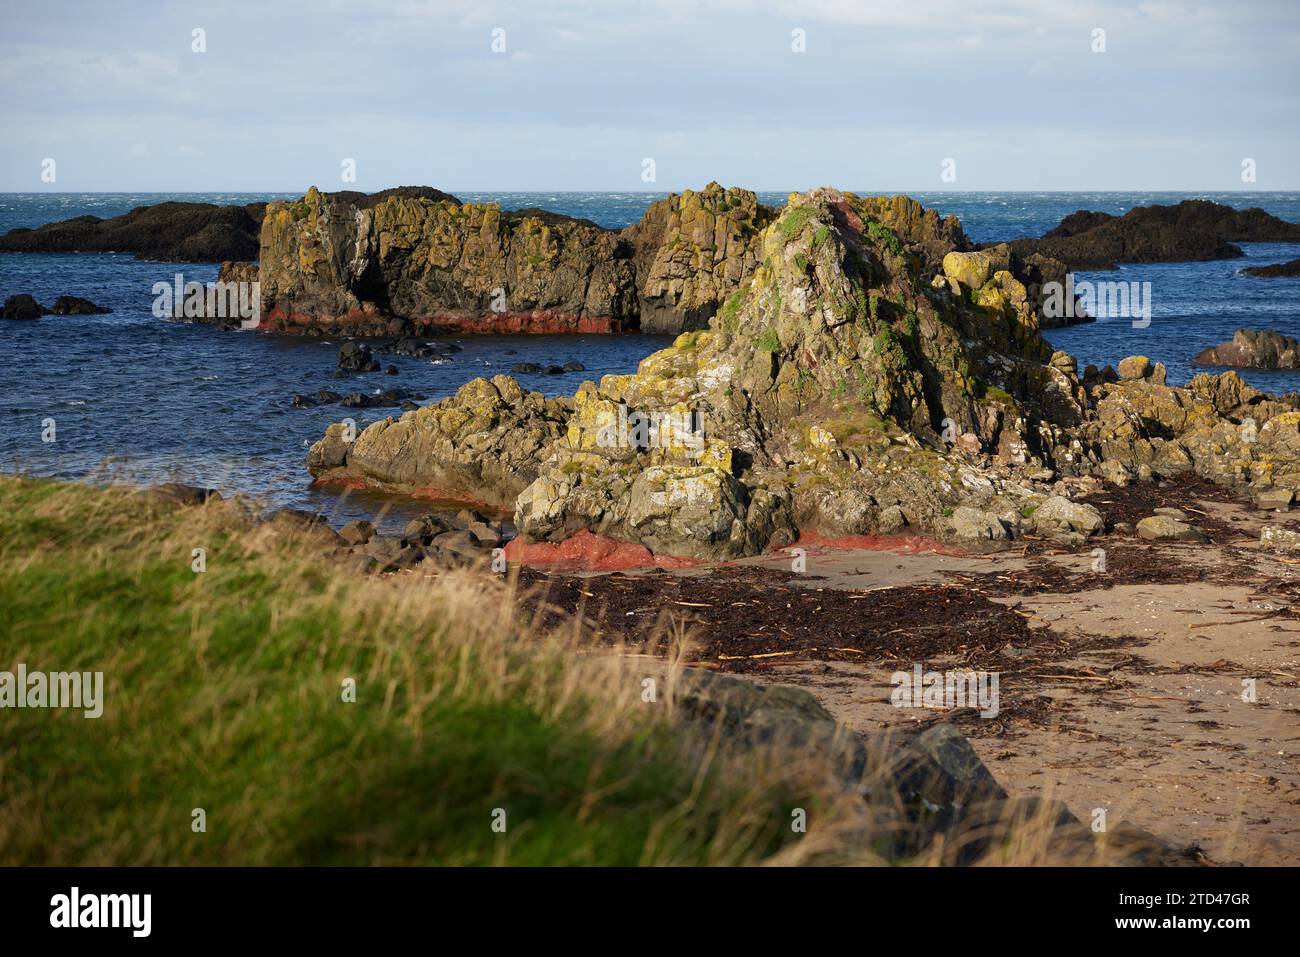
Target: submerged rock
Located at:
point(1275, 271)
point(182, 494)
point(76, 306)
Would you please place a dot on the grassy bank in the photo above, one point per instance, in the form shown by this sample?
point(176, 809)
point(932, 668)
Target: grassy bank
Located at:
point(224, 691)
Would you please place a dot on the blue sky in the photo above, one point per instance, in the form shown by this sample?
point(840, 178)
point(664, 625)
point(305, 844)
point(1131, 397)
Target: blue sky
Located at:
point(586, 91)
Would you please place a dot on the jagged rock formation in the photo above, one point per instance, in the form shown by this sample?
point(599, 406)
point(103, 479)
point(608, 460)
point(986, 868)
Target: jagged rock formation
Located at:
point(867, 376)
point(692, 251)
point(1275, 271)
point(1193, 230)
point(177, 232)
point(402, 263)
point(1253, 350)
point(1217, 426)
point(485, 443)
point(172, 232)
point(418, 264)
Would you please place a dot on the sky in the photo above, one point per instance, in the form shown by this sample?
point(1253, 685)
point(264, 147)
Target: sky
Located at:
point(648, 95)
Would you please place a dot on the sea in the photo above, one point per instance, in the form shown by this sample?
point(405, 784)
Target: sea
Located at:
point(141, 400)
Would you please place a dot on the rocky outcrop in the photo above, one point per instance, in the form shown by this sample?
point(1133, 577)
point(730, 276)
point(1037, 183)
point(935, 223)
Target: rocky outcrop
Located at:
point(1045, 280)
point(692, 251)
point(485, 444)
point(179, 232)
point(1276, 271)
point(1217, 426)
point(419, 264)
point(1253, 350)
point(1193, 230)
point(411, 264)
point(853, 383)
point(172, 232)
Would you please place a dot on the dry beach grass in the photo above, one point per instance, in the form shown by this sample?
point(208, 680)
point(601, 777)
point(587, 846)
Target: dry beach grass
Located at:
point(223, 691)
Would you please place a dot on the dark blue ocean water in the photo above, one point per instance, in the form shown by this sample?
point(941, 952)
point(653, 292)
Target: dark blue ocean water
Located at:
point(142, 399)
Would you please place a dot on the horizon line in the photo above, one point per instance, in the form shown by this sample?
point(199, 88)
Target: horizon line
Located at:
point(633, 192)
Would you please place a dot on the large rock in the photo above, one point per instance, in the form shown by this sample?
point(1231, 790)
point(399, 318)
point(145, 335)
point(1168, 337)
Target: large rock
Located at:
point(699, 510)
point(171, 232)
point(1251, 349)
point(1070, 523)
point(23, 307)
point(1134, 367)
point(1275, 499)
point(971, 270)
point(921, 796)
point(693, 250)
point(401, 264)
point(978, 527)
point(1279, 539)
point(1164, 528)
point(1192, 230)
point(484, 443)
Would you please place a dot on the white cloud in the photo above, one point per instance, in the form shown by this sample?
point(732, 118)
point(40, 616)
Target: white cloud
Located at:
point(589, 87)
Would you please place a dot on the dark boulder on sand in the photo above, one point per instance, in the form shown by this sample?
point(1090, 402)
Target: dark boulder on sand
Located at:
point(1192, 231)
point(1249, 349)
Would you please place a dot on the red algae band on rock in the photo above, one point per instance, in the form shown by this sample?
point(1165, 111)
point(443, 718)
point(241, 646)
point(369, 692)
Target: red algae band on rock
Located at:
point(902, 544)
point(587, 551)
